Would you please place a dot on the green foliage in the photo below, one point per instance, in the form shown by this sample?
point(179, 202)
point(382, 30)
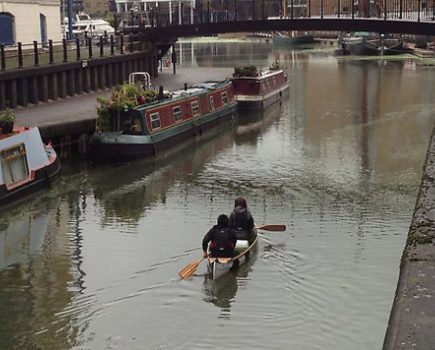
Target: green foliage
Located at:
point(126, 96)
point(248, 71)
point(7, 115)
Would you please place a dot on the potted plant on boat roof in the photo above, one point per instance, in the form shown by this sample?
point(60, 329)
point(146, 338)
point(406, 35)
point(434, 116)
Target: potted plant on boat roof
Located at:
point(7, 118)
point(123, 97)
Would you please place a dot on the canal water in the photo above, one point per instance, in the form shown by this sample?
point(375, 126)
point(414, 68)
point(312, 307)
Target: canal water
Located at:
point(93, 262)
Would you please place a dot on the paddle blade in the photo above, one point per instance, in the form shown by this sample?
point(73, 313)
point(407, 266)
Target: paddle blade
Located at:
point(190, 269)
point(272, 227)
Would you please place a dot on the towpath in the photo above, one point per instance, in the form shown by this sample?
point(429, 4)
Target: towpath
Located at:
point(83, 107)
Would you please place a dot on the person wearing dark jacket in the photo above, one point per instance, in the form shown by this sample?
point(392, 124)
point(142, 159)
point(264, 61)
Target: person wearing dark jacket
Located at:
point(220, 240)
point(241, 220)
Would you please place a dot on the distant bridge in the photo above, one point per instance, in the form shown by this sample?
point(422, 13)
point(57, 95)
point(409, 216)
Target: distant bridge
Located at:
point(167, 32)
point(231, 16)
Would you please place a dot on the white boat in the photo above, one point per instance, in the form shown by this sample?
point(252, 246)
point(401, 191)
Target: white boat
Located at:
point(93, 28)
point(26, 163)
point(218, 267)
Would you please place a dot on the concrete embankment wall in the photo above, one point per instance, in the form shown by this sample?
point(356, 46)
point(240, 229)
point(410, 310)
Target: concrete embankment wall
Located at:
point(412, 320)
point(23, 86)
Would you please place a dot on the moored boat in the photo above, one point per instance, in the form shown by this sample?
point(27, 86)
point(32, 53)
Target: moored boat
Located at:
point(293, 38)
point(372, 44)
point(142, 126)
point(217, 267)
point(26, 163)
point(258, 89)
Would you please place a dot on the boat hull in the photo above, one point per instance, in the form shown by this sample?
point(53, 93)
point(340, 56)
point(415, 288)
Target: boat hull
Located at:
point(372, 47)
point(43, 167)
point(257, 90)
point(293, 40)
point(247, 102)
point(43, 178)
point(116, 147)
point(217, 267)
point(181, 118)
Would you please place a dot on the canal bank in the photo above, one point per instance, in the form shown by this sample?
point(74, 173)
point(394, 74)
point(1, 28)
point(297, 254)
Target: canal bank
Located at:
point(412, 319)
point(69, 122)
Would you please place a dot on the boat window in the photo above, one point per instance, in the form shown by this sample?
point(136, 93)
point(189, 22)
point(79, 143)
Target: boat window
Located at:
point(176, 112)
point(211, 102)
point(14, 164)
point(155, 120)
point(195, 107)
point(224, 97)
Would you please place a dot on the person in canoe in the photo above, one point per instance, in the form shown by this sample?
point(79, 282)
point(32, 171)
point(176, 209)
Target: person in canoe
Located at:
point(220, 240)
point(241, 220)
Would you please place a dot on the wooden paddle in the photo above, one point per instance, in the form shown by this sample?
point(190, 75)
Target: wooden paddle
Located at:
point(272, 227)
point(190, 269)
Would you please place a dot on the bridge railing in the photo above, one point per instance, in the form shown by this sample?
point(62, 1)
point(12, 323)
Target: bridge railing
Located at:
point(242, 10)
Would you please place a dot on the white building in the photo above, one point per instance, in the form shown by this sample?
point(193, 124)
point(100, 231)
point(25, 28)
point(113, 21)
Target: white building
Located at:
point(28, 20)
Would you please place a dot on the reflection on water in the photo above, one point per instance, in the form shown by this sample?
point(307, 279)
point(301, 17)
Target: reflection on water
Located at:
point(147, 181)
point(221, 54)
point(252, 124)
point(339, 163)
point(39, 276)
point(222, 292)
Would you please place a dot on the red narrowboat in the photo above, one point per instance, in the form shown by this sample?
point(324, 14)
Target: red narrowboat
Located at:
point(259, 89)
point(168, 120)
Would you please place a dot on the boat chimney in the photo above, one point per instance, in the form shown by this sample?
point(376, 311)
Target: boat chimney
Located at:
point(160, 97)
point(185, 86)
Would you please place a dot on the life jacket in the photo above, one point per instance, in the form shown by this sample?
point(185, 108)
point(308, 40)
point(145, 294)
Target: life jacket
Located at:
point(221, 244)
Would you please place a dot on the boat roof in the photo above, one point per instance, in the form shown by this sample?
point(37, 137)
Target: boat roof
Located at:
point(194, 90)
point(17, 130)
point(197, 89)
point(261, 74)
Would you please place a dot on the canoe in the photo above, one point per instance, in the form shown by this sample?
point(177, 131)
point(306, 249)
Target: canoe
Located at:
point(218, 267)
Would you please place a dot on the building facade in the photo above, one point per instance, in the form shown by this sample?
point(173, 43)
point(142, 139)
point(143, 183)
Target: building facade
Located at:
point(97, 8)
point(28, 20)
